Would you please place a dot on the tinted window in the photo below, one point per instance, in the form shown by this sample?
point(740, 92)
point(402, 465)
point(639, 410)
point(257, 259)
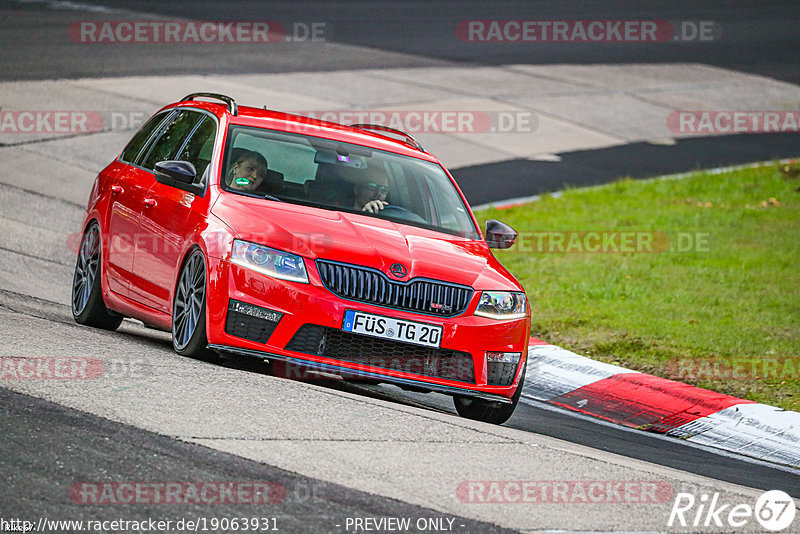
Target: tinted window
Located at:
point(172, 138)
point(138, 141)
point(197, 150)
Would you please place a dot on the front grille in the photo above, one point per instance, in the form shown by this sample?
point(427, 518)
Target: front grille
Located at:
point(364, 284)
point(501, 373)
point(250, 322)
point(383, 353)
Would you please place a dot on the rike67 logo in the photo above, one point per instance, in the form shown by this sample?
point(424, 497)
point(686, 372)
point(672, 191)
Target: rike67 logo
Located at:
point(774, 510)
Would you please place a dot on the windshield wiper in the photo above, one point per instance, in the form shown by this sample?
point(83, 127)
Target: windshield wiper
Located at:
point(270, 197)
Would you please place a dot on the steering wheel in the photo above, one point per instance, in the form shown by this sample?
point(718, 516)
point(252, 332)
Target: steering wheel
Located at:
point(399, 212)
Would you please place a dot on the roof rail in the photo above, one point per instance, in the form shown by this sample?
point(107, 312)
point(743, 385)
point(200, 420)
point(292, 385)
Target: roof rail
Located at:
point(231, 103)
point(379, 127)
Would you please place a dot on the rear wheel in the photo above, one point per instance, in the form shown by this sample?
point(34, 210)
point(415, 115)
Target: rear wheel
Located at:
point(493, 412)
point(88, 307)
point(189, 309)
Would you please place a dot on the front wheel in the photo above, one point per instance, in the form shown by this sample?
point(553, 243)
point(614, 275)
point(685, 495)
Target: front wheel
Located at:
point(189, 309)
point(492, 412)
point(88, 307)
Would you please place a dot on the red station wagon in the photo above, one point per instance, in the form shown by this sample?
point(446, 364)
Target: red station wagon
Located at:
point(344, 249)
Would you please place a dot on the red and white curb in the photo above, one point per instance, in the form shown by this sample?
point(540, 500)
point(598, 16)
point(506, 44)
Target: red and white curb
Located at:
point(563, 378)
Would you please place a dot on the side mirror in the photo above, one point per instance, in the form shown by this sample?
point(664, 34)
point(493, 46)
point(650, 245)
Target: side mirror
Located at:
point(179, 171)
point(499, 235)
point(180, 174)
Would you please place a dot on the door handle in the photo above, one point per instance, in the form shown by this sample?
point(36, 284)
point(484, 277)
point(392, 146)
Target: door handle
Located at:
point(116, 189)
point(150, 203)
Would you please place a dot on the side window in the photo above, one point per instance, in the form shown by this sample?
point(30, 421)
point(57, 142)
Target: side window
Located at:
point(198, 148)
point(135, 145)
point(172, 138)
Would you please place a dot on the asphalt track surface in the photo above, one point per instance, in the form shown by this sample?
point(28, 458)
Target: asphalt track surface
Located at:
point(523, 177)
point(754, 37)
point(38, 474)
point(46, 447)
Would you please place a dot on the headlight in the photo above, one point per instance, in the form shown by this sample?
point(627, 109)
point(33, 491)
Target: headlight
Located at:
point(269, 261)
point(501, 305)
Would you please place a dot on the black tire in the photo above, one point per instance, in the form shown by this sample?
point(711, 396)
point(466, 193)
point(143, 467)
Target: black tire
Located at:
point(492, 412)
point(189, 309)
point(88, 307)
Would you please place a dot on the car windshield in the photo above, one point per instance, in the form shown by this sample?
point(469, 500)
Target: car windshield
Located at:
point(342, 176)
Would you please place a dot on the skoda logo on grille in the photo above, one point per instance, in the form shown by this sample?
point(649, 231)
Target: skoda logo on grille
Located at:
point(398, 269)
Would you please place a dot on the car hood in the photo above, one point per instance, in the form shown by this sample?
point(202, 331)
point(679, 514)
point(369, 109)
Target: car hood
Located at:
point(363, 240)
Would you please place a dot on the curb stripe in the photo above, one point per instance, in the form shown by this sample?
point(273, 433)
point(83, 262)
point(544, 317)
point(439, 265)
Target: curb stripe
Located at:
point(645, 401)
point(553, 372)
point(753, 429)
point(638, 400)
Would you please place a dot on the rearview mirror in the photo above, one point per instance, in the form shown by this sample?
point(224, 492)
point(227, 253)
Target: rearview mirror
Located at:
point(499, 235)
point(335, 158)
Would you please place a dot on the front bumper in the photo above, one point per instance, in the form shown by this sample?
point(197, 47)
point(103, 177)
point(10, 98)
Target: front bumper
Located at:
point(351, 371)
point(297, 305)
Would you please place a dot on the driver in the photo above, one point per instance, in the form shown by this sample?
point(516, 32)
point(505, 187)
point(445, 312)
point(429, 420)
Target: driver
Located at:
point(248, 170)
point(370, 194)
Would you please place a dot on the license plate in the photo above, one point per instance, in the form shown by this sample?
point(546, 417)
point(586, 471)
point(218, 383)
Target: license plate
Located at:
point(428, 335)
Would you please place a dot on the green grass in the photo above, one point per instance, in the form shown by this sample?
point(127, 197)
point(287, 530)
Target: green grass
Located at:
point(733, 299)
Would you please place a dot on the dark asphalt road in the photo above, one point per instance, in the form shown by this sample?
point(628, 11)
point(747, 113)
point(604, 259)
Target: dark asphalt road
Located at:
point(749, 36)
point(539, 418)
point(521, 177)
point(48, 449)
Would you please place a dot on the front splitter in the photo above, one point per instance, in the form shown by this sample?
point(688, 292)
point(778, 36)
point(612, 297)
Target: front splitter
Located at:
point(361, 373)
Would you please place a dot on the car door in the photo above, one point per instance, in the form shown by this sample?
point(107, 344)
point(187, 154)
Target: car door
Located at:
point(168, 216)
point(127, 195)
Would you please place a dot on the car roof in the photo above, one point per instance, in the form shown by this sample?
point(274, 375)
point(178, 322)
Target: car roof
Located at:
point(288, 122)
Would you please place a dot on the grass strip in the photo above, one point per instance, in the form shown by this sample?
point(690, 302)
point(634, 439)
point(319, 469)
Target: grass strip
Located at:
point(695, 279)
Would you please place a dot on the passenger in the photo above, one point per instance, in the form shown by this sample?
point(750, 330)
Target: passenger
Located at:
point(248, 170)
point(370, 195)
